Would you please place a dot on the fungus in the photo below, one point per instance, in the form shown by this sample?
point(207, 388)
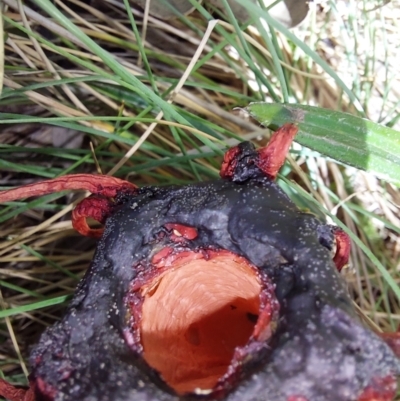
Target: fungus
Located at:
point(222, 290)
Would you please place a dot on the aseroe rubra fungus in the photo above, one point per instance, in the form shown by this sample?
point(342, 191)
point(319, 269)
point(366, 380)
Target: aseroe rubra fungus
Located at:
point(221, 290)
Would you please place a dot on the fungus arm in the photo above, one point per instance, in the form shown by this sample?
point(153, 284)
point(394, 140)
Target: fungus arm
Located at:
point(97, 206)
point(13, 393)
point(96, 184)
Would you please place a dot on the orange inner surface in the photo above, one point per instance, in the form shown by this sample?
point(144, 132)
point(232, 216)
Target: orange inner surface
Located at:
point(194, 317)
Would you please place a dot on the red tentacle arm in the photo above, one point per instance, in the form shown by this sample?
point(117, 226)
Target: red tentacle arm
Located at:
point(12, 393)
point(272, 157)
point(96, 208)
point(229, 163)
point(96, 184)
point(268, 159)
point(343, 247)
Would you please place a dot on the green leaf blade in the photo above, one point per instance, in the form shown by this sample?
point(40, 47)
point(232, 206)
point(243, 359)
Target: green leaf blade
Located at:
point(348, 139)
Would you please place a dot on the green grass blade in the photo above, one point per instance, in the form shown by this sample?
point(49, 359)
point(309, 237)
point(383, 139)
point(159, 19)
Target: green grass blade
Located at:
point(257, 12)
point(48, 261)
point(348, 139)
point(17, 288)
point(110, 60)
point(34, 306)
point(141, 47)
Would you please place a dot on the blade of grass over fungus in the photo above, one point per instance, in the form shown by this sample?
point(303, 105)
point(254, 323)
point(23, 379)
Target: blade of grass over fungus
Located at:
point(348, 139)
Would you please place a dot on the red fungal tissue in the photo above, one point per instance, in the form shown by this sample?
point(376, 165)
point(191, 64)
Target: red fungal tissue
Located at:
point(221, 290)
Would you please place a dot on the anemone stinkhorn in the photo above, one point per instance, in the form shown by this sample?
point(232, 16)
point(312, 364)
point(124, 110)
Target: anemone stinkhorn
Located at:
point(221, 290)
